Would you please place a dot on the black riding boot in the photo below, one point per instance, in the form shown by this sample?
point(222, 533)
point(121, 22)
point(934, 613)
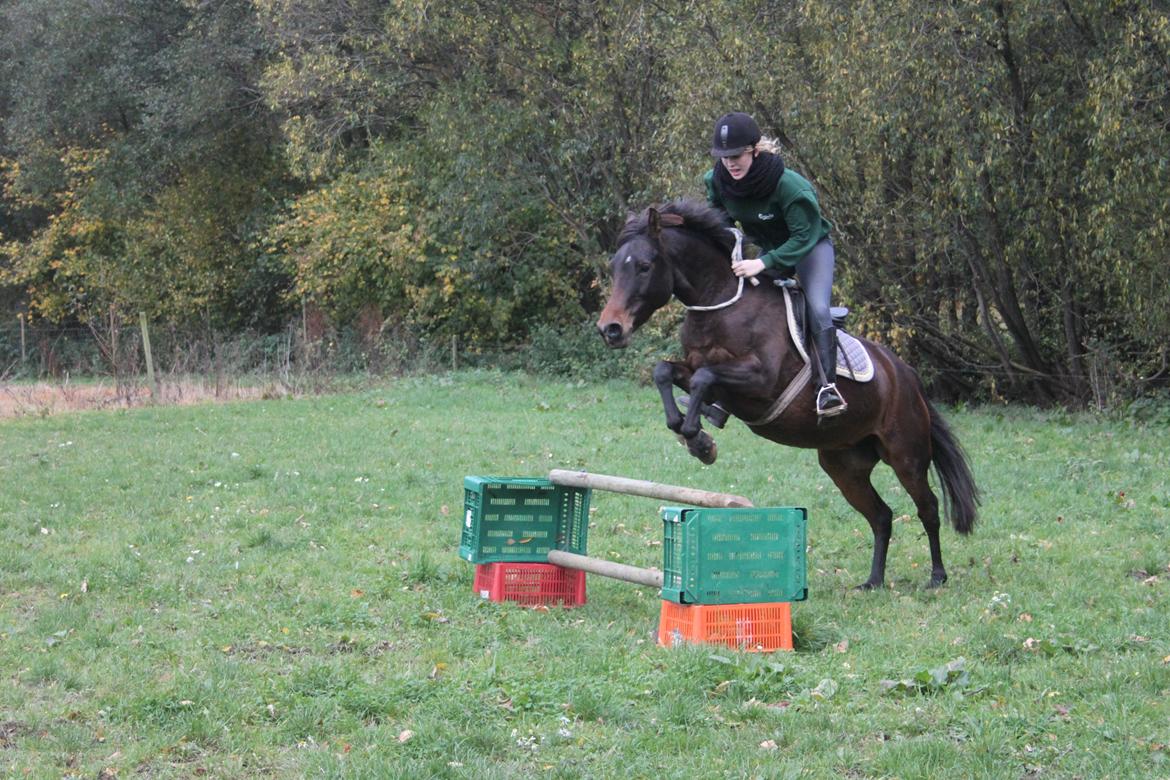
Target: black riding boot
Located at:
point(830, 402)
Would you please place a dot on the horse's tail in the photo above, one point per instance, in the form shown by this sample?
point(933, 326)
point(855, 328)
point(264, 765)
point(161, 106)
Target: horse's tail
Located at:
point(960, 494)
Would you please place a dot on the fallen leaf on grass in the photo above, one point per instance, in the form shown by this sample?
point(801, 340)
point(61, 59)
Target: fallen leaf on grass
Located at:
point(825, 689)
point(405, 735)
point(768, 744)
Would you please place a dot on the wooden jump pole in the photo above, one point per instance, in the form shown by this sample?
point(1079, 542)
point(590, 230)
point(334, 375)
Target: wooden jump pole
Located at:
point(617, 571)
point(639, 487)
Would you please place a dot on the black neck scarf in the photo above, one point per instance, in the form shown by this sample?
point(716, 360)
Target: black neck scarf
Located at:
point(760, 182)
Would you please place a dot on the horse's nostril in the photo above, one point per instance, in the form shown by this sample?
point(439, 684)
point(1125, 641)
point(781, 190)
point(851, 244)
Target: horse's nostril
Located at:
point(612, 331)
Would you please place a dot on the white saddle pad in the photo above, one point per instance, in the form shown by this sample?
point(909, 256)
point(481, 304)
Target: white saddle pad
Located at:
point(853, 361)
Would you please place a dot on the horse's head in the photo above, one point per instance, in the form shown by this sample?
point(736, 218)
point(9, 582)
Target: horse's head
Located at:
point(642, 278)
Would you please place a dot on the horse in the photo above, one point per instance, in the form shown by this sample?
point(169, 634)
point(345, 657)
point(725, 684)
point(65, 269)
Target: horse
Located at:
point(737, 352)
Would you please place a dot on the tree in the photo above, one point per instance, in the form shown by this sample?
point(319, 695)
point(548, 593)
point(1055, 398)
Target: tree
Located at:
point(106, 132)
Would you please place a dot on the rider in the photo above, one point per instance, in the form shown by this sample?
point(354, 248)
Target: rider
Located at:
point(778, 210)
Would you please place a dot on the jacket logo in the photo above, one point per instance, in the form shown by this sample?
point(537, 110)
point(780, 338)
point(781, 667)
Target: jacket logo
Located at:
point(765, 217)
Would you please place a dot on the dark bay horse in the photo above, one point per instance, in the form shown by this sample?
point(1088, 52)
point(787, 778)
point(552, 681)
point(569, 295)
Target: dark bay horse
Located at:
point(739, 354)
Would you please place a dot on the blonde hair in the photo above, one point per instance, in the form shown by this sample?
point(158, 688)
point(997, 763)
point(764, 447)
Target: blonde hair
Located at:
point(766, 144)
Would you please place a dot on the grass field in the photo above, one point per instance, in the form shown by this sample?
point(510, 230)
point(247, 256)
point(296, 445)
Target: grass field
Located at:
point(271, 588)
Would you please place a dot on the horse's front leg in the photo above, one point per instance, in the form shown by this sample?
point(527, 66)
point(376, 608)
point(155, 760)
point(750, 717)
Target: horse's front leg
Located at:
point(667, 374)
point(734, 377)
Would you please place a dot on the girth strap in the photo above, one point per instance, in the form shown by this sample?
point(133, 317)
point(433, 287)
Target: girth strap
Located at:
point(786, 398)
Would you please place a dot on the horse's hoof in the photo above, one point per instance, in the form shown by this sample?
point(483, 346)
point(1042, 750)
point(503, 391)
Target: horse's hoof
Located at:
point(702, 446)
point(868, 585)
point(936, 581)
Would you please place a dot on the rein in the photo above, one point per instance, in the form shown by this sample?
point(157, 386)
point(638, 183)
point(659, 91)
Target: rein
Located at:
point(736, 255)
point(724, 305)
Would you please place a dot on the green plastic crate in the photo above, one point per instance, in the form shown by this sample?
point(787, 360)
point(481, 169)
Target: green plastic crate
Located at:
point(519, 519)
point(734, 556)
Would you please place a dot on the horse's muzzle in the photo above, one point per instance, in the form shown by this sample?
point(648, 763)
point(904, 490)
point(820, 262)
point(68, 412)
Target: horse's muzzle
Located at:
point(614, 334)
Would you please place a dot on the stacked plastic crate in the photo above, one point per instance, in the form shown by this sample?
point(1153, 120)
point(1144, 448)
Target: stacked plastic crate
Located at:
point(730, 575)
point(509, 526)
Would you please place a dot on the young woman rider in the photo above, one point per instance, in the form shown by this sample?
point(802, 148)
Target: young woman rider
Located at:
point(778, 210)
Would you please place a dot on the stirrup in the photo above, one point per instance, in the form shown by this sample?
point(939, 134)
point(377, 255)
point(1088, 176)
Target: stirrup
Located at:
point(830, 402)
point(715, 414)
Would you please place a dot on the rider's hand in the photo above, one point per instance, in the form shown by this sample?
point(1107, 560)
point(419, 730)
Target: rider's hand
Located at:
point(747, 267)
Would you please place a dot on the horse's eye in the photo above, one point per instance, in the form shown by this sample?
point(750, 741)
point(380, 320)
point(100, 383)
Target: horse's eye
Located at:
point(642, 266)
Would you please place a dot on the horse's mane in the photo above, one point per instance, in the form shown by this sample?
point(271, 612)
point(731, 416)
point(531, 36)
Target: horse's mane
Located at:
point(698, 217)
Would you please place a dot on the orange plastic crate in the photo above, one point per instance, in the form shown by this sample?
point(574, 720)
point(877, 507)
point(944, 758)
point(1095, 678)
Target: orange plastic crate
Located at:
point(755, 628)
point(530, 584)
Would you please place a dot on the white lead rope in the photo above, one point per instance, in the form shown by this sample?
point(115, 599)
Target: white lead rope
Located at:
point(736, 256)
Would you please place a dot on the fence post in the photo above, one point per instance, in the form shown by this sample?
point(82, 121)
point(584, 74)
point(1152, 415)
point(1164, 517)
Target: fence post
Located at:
point(304, 323)
point(149, 359)
point(23, 351)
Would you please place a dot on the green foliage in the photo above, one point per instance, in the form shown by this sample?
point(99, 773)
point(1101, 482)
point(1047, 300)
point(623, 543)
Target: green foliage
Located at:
point(997, 171)
point(952, 676)
point(143, 151)
point(577, 352)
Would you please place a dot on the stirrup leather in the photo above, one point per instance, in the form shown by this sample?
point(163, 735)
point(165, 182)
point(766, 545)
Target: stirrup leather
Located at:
point(832, 394)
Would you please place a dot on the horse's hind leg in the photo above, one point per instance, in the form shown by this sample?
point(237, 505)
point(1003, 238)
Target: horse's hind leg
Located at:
point(912, 467)
point(850, 470)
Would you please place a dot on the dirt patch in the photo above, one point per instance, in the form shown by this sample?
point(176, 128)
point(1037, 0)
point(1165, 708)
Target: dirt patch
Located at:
point(42, 399)
point(9, 731)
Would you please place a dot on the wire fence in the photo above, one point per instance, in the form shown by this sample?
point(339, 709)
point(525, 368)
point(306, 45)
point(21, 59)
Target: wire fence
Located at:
point(118, 349)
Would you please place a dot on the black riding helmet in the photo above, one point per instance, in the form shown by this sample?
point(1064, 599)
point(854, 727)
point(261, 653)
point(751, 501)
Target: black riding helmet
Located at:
point(735, 133)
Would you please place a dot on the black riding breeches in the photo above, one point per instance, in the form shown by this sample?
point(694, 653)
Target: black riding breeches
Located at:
point(815, 273)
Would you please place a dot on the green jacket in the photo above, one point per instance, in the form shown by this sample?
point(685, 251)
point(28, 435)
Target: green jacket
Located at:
point(786, 225)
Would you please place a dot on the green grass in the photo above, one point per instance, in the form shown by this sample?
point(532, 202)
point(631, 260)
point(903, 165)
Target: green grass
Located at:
point(272, 589)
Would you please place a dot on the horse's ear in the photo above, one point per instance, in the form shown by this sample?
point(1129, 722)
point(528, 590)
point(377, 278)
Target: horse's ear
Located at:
point(656, 220)
point(653, 222)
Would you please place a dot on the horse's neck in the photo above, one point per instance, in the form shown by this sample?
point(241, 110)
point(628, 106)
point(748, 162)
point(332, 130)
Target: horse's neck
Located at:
point(703, 276)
